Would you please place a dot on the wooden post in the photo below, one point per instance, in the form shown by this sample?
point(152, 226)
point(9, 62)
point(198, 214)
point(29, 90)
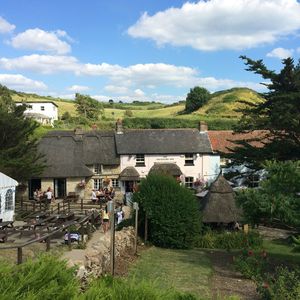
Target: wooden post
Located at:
point(69, 206)
point(22, 203)
point(136, 208)
point(40, 205)
point(48, 243)
point(112, 237)
point(20, 256)
point(69, 240)
point(81, 204)
point(34, 206)
point(146, 227)
point(58, 208)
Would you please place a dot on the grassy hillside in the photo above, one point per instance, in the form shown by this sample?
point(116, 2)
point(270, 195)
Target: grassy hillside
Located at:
point(221, 109)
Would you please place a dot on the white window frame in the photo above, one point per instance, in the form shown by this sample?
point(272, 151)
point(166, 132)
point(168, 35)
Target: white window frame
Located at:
point(97, 169)
point(43, 108)
point(115, 183)
point(9, 200)
point(98, 183)
point(189, 159)
point(189, 181)
point(140, 160)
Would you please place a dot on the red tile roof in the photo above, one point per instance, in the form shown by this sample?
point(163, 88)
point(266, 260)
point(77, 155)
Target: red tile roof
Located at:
point(223, 140)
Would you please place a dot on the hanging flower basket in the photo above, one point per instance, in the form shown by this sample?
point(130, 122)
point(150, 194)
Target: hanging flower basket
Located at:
point(22, 187)
point(106, 181)
point(81, 185)
point(199, 183)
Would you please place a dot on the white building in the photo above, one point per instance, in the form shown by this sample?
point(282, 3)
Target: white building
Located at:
point(184, 153)
point(7, 197)
point(45, 112)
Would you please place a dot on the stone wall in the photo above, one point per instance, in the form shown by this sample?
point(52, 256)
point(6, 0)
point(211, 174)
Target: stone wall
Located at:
point(97, 257)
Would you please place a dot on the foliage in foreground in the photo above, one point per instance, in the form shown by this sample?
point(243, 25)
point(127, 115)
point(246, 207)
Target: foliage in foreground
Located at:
point(115, 289)
point(276, 198)
point(172, 212)
point(283, 283)
point(45, 278)
point(229, 240)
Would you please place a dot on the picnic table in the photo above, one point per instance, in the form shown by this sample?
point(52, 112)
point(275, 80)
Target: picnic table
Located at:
point(7, 224)
point(65, 217)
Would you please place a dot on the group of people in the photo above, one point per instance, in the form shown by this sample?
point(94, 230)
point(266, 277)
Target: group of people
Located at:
point(38, 195)
point(106, 194)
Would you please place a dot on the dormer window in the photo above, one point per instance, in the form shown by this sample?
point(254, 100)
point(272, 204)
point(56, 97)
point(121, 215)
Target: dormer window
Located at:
point(189, 159)
point(97, 169)
point(140, 160)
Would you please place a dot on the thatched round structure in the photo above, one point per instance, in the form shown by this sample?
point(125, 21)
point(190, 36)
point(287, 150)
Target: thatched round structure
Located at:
point(166, 168)
point(218, 205)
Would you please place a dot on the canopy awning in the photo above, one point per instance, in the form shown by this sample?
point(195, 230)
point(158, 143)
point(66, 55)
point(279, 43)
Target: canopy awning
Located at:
point(166, 168)
point(129, 174)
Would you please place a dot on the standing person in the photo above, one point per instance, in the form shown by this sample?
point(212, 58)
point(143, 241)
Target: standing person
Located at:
point(105, 219)
point(49, 195)
point(36, 195)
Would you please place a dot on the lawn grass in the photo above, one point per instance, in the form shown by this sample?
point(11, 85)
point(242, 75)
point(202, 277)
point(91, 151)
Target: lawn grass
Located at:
point(281, 250)
point(183, 270)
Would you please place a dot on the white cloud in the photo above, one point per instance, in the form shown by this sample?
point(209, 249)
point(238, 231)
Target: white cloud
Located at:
point(38, 39)
point(137, 76)
point(6, 27)
point(280, 53)
point(21, 83)
point(78, 88)
point(139, 93)
point(114, 89)
point(220, 24)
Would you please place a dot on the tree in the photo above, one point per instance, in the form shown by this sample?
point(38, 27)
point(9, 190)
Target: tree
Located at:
point(196, 98)
point(88, 107)
point(19, 157)
point(278, 114)
point(276, 199)
point(172, 211)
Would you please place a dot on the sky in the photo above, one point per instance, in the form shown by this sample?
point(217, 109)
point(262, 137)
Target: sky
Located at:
point(142, 49)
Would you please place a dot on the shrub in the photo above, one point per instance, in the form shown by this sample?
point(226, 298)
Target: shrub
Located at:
point(229, 240)
point(44, 278)
point(172, 211)
point(230, 98)
point(128, 113)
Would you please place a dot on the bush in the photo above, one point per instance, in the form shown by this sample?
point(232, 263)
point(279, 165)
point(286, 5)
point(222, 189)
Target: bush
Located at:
point(44, 278)
point(115, 289)
point(229, 240)
point(172, 211)
point(128, 113)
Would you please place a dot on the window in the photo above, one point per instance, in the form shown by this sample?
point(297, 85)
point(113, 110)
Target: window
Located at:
point(140, 160)
point(97, 169)
point(115, 183)
point(9, 200)
point(29, 107)
point(98, 184)
point(189, 182)
point(42, 107)
point(189, 159)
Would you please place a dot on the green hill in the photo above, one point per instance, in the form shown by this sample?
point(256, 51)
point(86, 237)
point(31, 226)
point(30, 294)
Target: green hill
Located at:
point(220, 109)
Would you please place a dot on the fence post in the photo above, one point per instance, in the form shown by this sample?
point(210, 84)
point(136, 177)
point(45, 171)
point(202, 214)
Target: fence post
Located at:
point(58, 208)
point(69, 206)
point(34, 206)
point(40, 205)
point(20, 256)
point(81, 204)
point(48, 243)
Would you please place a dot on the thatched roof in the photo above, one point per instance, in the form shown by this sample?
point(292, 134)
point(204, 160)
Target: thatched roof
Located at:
point(166, 168)
point(218, 206)
point(162, 141)
point(68, 153)
point(129, 174)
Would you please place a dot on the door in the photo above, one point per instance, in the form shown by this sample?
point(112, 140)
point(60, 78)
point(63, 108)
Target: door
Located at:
point(33, 184)
point(59, 187)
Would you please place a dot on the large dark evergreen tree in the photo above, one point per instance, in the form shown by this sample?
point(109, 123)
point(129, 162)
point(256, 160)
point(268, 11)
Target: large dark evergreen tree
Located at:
point(278, 113)
point(19, 157)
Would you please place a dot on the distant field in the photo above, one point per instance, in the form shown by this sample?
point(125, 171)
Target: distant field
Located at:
point(221, 108)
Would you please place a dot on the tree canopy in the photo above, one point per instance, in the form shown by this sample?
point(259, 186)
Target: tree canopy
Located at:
point(88, 107)
point(172, 211)
point(196, 98)
point(19, 157)
point(276, 199)
point(278, 114)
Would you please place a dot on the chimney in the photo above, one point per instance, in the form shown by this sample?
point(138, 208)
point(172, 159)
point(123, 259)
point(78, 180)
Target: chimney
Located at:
point(119, 126)
point(203, 126)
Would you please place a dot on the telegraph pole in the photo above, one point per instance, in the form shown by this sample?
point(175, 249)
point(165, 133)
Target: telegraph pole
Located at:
point(111, 209)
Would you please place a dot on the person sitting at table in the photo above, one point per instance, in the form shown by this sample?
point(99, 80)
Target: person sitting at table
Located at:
point(94, 196)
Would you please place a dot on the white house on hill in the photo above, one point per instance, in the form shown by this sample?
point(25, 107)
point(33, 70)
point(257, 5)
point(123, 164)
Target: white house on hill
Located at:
point(7, 197)
point(45, 112)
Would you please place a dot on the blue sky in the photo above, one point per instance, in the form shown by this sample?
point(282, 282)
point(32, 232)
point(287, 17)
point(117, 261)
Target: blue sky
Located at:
point(141, 49)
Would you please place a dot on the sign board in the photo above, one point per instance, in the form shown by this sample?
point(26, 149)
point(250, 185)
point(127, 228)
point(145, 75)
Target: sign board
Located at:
point(135, 206)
